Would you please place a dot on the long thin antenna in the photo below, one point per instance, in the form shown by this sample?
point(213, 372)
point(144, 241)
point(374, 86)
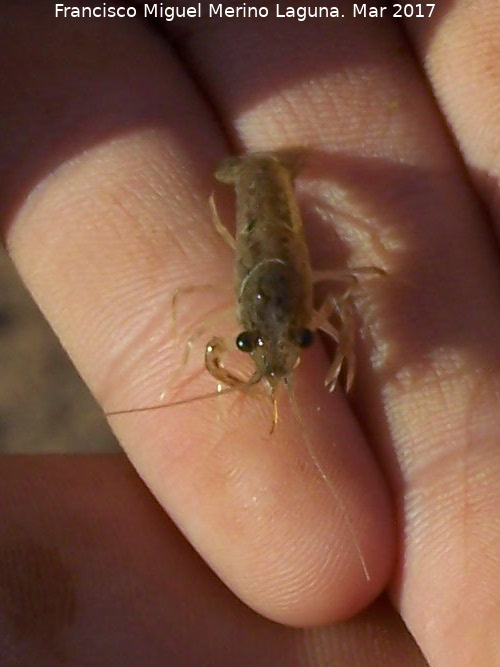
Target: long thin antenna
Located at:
point(326, 479)
point(256, 377)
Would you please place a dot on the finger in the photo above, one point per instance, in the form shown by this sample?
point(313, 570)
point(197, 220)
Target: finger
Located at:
point(103, 243)
point(87, 556)
point(458, 47)
point(428, 371)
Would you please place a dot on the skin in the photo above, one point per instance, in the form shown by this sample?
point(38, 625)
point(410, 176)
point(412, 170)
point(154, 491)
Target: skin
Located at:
point(106, 166)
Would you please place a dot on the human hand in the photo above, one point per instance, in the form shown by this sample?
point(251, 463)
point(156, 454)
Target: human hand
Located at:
point(122, 221)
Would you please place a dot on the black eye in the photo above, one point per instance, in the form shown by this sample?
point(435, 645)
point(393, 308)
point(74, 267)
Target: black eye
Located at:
point(304, 337)
point(247, 341)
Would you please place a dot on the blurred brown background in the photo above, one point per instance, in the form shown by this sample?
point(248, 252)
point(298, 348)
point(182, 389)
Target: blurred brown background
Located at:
point(44, 405)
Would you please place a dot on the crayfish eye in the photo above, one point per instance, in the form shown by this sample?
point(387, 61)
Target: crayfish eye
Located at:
point(304, 337)
point(247, 341)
